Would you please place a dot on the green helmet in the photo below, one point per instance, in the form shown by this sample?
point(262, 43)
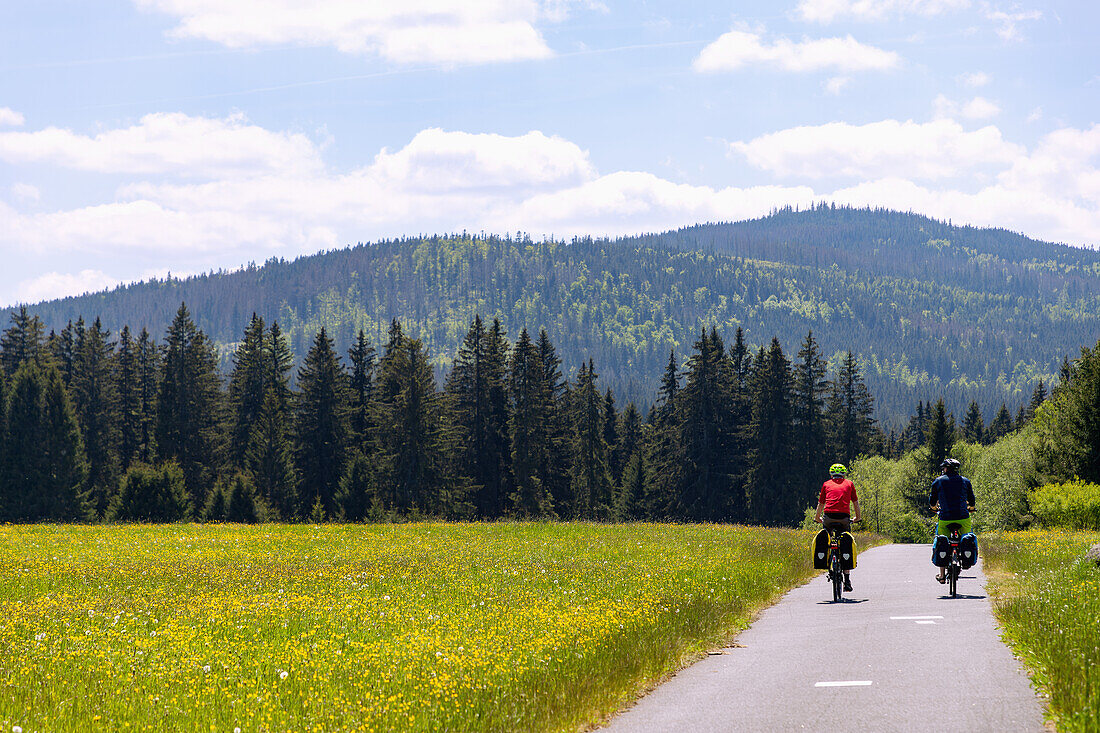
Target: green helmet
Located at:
point(838, 469)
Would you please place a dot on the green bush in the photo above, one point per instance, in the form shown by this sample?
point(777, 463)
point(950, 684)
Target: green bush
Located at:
point(1072, 505)
point(151, 494)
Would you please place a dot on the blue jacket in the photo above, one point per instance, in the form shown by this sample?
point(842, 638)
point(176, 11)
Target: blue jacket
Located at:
point(953, 494)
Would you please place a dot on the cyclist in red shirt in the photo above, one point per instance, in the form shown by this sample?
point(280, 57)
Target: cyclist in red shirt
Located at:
point(836, 495)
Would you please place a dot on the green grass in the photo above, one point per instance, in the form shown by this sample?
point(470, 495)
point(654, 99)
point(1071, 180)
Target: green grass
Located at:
point(407, 627)
point(1047, 598)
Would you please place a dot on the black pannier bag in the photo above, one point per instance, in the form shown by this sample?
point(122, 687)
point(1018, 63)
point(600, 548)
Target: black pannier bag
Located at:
point(941, 551)
point(821, 551)
point(968, 550)
point(847, 548)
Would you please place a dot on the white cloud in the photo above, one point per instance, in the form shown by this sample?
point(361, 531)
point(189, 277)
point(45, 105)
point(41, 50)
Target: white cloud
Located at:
point(436, 160)
point(930, 150)
point(739, 48)
point(1035, 115)
point(1007, 23)
point(836, 84)
point(630, 202)
point(410, 31)
point(974, 79)
point(59, 285)
point(168, 144)
point(448, 181)
point(980, 108)
point(10, 118)
point(826, 11)
point(25, 193)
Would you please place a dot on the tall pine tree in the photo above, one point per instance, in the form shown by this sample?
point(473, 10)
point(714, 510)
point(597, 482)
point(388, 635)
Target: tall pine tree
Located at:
point(321, 425)
point(189, 406)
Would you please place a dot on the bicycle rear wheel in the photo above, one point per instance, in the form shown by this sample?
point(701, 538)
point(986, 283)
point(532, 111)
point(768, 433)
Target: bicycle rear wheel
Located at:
point(838, 580)
point(953, 578)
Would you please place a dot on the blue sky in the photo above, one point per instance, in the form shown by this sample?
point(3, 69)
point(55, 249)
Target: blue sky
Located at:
point(140, 137)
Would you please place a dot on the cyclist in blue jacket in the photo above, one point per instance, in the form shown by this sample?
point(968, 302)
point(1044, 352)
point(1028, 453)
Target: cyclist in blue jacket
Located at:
point(952, 498)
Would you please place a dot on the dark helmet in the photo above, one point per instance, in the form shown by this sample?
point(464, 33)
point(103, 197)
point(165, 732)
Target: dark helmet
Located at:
point(951, 465)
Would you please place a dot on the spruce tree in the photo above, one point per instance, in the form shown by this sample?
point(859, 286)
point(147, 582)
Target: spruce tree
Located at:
point(939, 439)
point(611, 436)
point(558, 443)
point(808, 404)
point(21, 342)
point(973, 425)
point(148, 370)
point(321, 425)
point(45, 471)
point(529, 430)
point(773, 499)
point(270, 458)
point(128, 392)
point(630, 436)
point(665, 453)
point(741, 365)
point(248, 386)
point(189, 406)
point(158, 494)
point(590, 486)
point(412, 447)
point(96, 404)
point(630, 500)
point(849, 414)
point(708, 491)
point(1001, 425)
point(476, 395)
point(362, 358)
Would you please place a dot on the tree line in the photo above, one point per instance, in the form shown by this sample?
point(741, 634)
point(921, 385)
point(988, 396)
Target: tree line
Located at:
point(96, 428)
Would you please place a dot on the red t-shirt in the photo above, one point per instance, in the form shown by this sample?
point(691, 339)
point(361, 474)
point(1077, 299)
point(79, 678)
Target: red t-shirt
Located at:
point(837, 495)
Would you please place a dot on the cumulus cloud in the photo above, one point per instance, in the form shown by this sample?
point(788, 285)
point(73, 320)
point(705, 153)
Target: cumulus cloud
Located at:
point(826, 11)
point(10, 118)
point(412, 31)
point(929, 150)
point(836, 84)
point(740, 48)
point(436, 160)
point(978, 108)
point(168, 144)
point(447, 181)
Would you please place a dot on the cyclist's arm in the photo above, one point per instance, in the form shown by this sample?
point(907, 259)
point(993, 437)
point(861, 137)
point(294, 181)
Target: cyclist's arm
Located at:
point(855, 510)
point(970, 503)
point(820, 508)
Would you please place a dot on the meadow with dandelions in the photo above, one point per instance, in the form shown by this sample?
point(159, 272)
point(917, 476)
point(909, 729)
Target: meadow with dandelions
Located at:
point(1046, 595)
point(365, 627)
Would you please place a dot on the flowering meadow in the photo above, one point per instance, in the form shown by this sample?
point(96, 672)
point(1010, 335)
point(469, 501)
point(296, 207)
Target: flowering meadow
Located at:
point(1047, 597)
point(366, 627)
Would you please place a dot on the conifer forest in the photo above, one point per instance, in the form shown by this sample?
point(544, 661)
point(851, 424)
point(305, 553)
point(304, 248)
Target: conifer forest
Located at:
point(466, 404)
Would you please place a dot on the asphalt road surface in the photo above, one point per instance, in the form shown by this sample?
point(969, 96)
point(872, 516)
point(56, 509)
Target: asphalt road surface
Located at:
point(897, 655)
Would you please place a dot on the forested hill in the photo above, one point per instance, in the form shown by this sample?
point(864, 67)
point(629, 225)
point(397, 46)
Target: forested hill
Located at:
point(931, 309)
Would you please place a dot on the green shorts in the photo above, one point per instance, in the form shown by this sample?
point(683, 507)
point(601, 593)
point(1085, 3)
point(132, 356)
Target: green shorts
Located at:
point(964, 524)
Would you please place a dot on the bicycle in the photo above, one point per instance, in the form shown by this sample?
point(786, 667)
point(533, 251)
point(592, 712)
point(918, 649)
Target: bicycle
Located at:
point(954, 562)
point(835, 573)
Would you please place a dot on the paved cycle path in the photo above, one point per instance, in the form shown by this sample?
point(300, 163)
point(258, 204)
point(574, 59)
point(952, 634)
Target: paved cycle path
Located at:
point(898, 655)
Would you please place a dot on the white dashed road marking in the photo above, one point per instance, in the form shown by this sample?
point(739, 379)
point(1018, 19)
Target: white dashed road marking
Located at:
point(845, 683)
point(913, 618)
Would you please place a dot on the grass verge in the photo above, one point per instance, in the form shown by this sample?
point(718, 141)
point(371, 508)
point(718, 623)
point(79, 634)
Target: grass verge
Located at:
point(410, 627)
point(1047, 598)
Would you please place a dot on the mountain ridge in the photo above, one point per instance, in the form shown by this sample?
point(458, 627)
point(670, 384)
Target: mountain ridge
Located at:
point(930, 308)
